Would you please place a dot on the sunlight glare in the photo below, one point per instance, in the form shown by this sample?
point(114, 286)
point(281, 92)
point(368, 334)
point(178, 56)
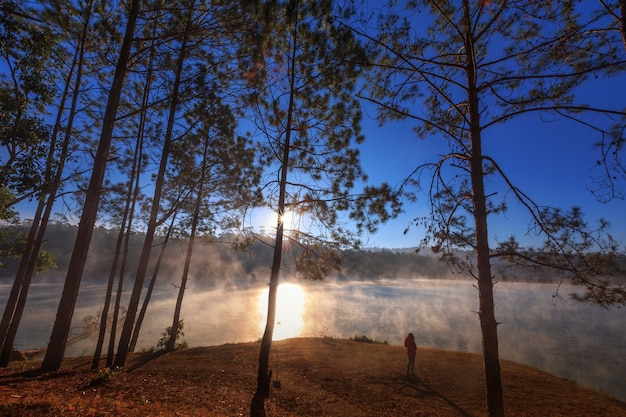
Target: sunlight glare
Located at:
point(266, 220)
point(288, 220)
point(289, 311)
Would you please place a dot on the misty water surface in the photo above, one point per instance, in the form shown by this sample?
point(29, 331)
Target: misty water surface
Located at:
point(580, 342)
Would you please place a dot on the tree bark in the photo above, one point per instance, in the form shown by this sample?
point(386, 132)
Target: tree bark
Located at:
point(488, 324)
point(171, 343)
point(104, 315)
point(19, 287)
point(146, 300)
point(63, 321)
point(54, 170)
point(131, 313)
point(264, 376)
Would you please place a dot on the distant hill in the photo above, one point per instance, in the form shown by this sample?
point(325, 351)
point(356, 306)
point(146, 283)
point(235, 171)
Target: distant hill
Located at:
point(216, 260)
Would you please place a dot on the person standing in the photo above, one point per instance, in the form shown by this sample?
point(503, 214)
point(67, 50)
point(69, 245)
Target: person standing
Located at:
point(411, 349)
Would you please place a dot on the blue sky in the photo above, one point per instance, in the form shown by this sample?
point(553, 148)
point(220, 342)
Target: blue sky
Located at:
point(552, 161)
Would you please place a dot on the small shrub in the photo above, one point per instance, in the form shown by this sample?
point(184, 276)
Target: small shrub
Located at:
point(167, 334)
point(365, 339)
point(324, 333)
point(104, 375)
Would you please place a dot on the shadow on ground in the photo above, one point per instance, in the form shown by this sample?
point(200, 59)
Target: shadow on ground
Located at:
point(416, 387)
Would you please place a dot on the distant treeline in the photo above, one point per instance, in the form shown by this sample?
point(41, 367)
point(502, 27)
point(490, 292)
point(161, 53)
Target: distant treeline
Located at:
point(218, 261)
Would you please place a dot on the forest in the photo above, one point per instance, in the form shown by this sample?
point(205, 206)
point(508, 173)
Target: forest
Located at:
point(223, 265)
point(154, 130)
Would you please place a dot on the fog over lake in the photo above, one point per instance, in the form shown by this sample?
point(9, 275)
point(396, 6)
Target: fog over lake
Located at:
point(577, 341)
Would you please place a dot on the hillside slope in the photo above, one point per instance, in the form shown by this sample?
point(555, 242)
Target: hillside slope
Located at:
point(318, 377)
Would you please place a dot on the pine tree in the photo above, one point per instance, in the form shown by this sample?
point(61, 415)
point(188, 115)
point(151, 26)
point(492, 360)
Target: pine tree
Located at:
point(196, 54)
point(458, 69)
point(62, 323)
point(310, 119)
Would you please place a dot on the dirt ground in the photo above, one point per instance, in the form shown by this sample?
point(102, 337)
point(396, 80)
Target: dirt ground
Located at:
point(312, 377)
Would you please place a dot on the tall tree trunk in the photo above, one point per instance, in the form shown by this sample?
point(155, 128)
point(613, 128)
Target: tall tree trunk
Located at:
point(146, 301)
point(488, 324)
point(118, 293)
point(142, 122)
point(63, 321)
point(104, 315)
point(150, 289)
point(129, 210)
point(54, 171)
point(18, 292)
point(171, 343)
point(264, 376)
point(129, 322)
point(122, 270)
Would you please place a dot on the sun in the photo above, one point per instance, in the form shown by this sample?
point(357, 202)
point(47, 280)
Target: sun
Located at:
point(266, 220)
point(290, 302)
point(290, 221)
point(287, 219)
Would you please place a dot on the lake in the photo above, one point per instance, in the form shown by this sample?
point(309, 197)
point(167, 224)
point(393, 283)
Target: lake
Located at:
point(577, 341)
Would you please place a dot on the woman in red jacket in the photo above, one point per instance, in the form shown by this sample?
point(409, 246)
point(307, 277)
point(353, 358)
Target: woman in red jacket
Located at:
point(411, 349)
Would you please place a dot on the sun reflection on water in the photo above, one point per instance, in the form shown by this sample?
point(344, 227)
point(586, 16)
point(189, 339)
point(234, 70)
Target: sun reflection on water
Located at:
point(289, 311)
